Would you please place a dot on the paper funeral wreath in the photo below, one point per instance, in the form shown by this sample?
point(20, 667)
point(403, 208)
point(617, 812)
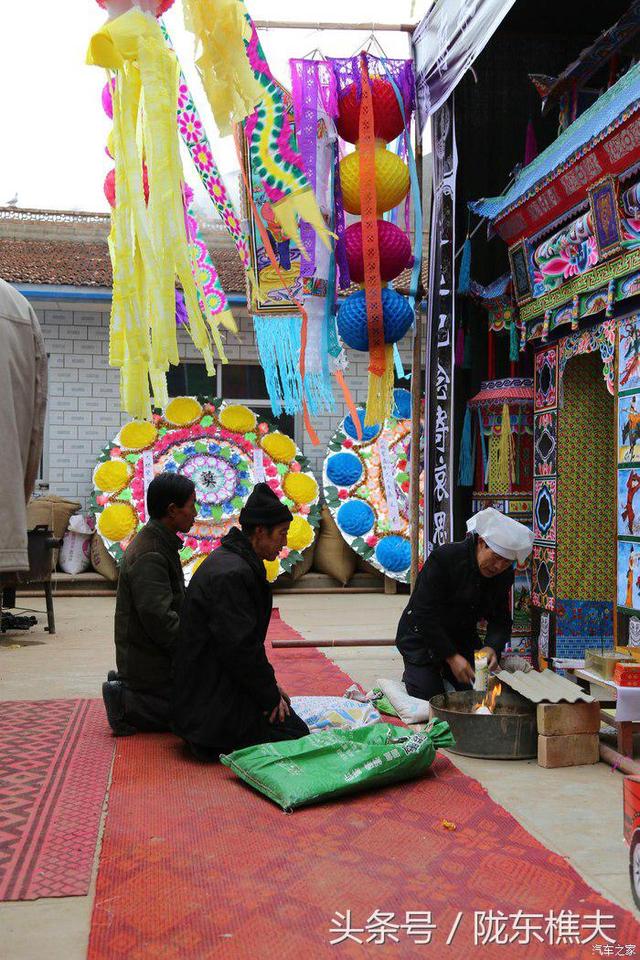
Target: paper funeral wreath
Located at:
point(366, 486)
point(225, 449)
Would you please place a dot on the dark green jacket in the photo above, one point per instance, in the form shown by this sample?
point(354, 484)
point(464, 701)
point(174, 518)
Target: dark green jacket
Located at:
point(148, 604)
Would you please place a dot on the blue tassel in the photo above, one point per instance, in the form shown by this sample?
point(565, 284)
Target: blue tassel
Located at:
point(465, 467)
point(464, 277)
point(278, 342)
point(514, 346)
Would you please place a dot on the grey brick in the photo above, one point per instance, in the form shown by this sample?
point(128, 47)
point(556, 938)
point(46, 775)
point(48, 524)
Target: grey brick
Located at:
point(56, 417)
point(101, 361)
point(106, 390)
point(77, 389)
point(80, 362)
point(65, 490)
point(87, 347)
point(59, 347)
point(79, 419)
point(55, 361)
point(56, 389)
point(110, 419)
point(75, 446)
point(63, 403)
point(94, 404)
point(98, 433)
point(79, 475)
point(63, 433)
point(63, 375)
point(64, 462)
point(88, 319)
point(50, 332)
point(58, 316)
point(73, 332)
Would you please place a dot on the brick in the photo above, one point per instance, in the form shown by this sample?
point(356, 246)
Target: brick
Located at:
point(87, 347)
point(88, 319)
point(571, 751)
point(59, 347)
point(63, 375)
point(56, 389)
point(62, 403)
point(78, 419)
point(77, 389)
point(58, 316)
point(55, 361)
point(73, 332)
point(63, 433)
point(49, 331)
point(106, 390)
point(75, 446)
point(56, 418)
point(93, 375)
point(565, 719)
point(65, 489)
point(66, 462)
point(80, 362)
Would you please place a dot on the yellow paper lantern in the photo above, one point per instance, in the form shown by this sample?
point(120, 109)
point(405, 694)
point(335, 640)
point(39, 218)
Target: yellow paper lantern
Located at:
point(300, 487)
point(112, 475)
point(279, 446)
point(183, 411)
point(300, 534)
point(137, 435)
point(392, 180)
point(117, 521)
point(238, 419)
point(273, 569)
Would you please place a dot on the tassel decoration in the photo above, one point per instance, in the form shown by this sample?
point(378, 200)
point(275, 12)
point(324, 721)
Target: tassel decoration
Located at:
point(464, 277)
point(505, 452)
point(465, 467)
point(514, 345)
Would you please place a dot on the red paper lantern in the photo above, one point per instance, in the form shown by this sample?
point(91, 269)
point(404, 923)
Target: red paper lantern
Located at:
point(394, 247)
point(110, 186)
point(388, 122)
point(161, 6)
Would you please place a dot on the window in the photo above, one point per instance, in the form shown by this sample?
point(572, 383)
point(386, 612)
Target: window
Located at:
point(237, 382)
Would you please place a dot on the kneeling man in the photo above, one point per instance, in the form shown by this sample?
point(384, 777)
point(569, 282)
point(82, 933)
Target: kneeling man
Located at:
point(459, 585)
point(225, 691)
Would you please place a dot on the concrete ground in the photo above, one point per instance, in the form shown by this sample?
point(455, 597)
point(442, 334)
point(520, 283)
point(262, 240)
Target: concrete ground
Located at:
point(576, 812)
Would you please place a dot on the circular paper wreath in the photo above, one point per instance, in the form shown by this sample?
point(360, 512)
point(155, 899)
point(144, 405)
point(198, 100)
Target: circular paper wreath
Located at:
point(225, 449)
point(373, 514)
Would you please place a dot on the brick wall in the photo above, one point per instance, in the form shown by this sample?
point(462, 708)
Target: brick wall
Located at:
point(84, 403)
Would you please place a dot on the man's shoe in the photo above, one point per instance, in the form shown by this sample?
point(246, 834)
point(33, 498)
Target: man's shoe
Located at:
point(112, 675)
point(112, 696)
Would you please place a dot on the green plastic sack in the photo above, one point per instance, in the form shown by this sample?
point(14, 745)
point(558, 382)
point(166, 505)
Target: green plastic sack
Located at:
point(334, 762)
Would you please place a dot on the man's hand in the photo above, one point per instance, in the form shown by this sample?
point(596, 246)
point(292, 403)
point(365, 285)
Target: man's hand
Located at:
point(285, 696)
point(279, 713)
point(461, 668)
point(493, 662)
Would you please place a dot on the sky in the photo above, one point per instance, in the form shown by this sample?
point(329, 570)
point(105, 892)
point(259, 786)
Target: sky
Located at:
point(54, 127)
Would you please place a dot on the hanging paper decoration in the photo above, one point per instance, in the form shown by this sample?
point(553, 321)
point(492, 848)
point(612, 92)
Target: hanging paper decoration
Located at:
point(148, 241)
point(197, 143)
point(220, 29)
point(115, 7)
point(366, 487)
point(225, 449)
point(374, 105)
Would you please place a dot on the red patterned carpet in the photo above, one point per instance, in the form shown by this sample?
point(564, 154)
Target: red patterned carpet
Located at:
point(195, 865)
point(55, 758)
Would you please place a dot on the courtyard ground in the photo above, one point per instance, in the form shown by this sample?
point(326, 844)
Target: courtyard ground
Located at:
point(575, 812)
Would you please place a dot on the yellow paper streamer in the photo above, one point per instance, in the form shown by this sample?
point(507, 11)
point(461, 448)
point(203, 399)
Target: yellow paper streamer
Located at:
point(380, 391)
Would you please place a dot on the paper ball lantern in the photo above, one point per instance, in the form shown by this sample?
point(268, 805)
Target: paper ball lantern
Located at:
point(109, 185)
point(394, 248)
point(367, 433)
point(107, 97)
point(392, 180)
point(344, 469)
point(394, 553)
point(387, 116)
point(352, 318)
point(216, 446)
point(372, 513)
point(356, 517)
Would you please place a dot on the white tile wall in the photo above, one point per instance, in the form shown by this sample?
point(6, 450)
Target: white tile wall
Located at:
point(84, 400)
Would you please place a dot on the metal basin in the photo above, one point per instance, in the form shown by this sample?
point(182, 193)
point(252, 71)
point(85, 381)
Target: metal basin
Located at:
point(510, 733)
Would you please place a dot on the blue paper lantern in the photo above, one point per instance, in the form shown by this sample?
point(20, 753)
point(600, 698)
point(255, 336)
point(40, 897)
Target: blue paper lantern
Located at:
point(401, 404)
point(368, 433)
point(394, 553)
point(352, 318)
point(344, 469)
point(355, 517)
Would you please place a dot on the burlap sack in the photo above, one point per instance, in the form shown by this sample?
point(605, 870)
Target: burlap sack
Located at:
point(101, 560)
point(305, 564)
point(332, 555)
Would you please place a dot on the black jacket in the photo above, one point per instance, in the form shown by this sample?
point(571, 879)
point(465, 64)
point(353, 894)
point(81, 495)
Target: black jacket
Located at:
point(223, 679)
point(148, 604)
point(449, 599)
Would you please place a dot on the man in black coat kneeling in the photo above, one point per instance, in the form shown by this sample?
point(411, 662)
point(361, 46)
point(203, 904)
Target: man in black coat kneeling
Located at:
point(225, 691)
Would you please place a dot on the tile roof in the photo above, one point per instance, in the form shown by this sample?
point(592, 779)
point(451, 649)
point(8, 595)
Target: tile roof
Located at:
point(544, 687)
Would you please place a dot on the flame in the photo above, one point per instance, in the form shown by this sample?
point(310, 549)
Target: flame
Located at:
point(490, 698)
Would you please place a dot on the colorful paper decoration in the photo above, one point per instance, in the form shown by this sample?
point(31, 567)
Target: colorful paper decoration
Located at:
point(366, 487)
point(148, 242)
point(225, 449)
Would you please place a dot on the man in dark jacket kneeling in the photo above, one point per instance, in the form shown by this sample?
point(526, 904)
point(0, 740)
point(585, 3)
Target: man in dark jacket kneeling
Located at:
point(150, 594)
point(225, 691)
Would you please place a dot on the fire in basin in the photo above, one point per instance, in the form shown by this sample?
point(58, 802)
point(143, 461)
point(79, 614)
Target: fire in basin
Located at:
point(495, 725)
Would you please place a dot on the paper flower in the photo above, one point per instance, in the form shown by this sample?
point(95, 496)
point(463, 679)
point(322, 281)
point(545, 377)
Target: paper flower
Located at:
point(238, 419)
point(300, 534)
point(300, 487)
point(279, 446)
point(182, 411)
point(137, 435)
point(112, 475)
point(117, 521)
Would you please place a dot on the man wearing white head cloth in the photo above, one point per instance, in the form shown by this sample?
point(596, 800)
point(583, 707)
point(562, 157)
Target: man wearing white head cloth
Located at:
point(459, 585)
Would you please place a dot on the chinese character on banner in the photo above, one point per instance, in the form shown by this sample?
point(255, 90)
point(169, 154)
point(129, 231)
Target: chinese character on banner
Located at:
point(527, 927)
point(341, 925)
point(563, 927)
point(419, 925)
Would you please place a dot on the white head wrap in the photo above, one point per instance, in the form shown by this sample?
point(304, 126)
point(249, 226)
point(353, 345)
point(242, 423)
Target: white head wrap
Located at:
point(503, 535)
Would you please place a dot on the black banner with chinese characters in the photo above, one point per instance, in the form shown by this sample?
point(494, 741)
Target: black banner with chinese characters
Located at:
point(440, 332)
